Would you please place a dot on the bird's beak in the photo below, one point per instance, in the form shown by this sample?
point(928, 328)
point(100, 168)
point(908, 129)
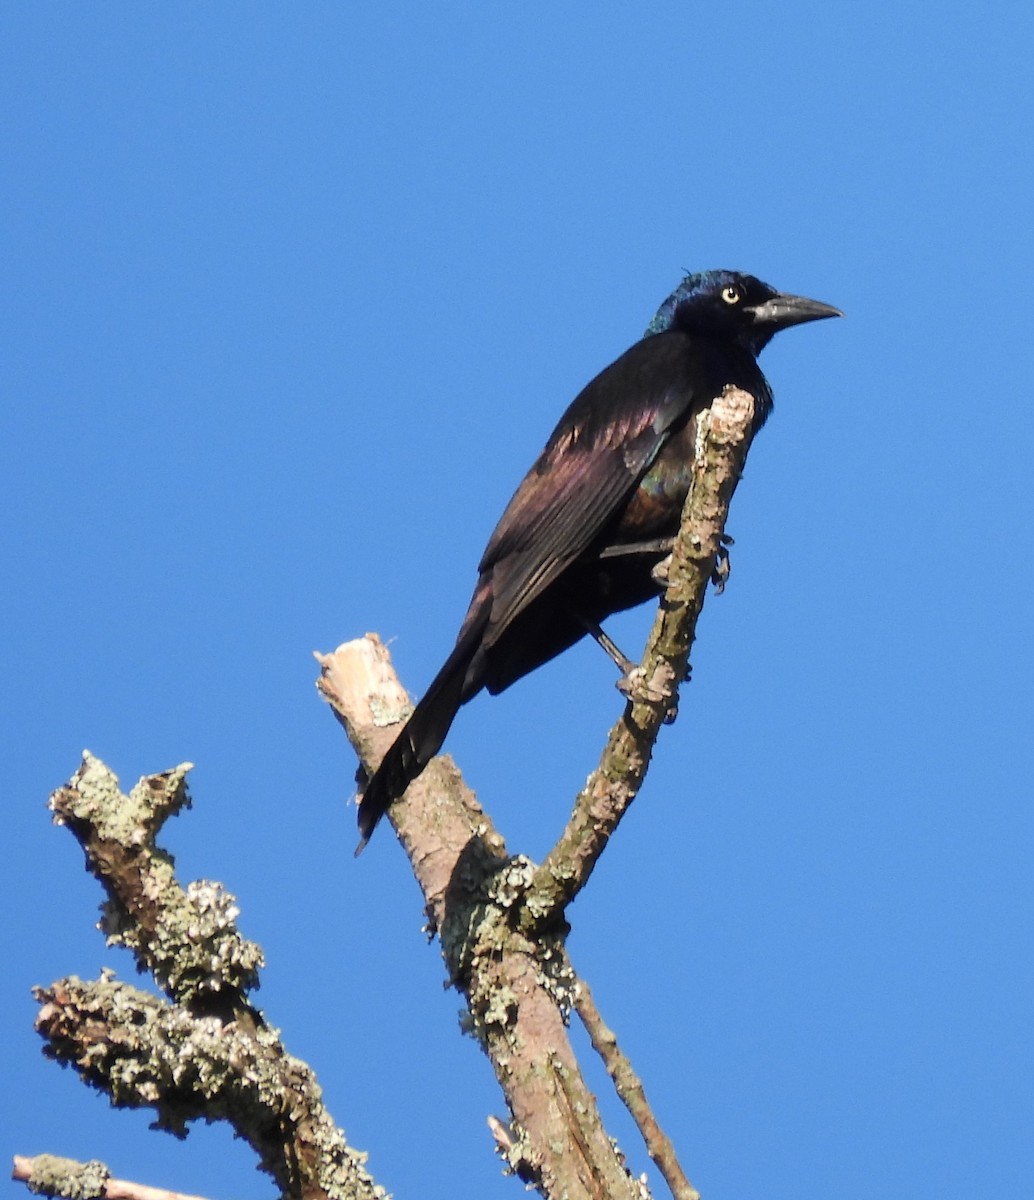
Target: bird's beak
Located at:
point(785, 310)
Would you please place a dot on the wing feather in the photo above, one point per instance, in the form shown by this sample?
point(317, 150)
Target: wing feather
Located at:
point(592, 463)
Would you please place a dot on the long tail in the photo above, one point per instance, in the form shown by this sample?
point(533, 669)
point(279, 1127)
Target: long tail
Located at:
point(422, 735)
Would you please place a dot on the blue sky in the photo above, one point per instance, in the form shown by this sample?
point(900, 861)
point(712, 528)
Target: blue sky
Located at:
point(294, 296)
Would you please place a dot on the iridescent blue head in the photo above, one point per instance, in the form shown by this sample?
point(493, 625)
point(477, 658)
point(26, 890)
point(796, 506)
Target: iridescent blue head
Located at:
point(739, 307)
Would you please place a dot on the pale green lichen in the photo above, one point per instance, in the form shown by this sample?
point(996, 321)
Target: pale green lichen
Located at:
point(187, 1061)
point(65, 1177)
point(556, 974)
point(189, 1068)
point(507, 886)
point(194, 949)
point(187, 939)
point(94, 796)
point(501, 1008)
point(518, 1153)
point(384, 713)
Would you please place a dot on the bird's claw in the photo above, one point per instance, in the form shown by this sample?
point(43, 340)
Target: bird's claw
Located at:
point(722, 564)
point(659, 571)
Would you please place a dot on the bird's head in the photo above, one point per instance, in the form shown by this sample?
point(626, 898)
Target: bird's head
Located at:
point(735, 306)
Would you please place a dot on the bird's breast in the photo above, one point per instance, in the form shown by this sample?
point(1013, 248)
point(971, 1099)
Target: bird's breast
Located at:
point(655, 507)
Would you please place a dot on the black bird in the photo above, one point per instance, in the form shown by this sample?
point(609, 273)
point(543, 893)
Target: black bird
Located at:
point(599, 509)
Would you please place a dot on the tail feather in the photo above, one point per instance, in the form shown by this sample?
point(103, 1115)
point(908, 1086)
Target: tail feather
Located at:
point(422, 735)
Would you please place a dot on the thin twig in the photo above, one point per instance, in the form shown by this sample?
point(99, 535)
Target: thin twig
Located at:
point(49, 1175)
point(629, 1088)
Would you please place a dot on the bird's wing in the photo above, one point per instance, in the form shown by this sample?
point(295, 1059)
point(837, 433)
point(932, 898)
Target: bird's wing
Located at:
point(604, 443)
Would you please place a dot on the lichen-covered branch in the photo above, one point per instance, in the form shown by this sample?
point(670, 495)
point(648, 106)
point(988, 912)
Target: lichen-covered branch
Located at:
point(49, 1175)
point(206, 1051)
point(185, 938)
point(518, 988)
point(722, 444)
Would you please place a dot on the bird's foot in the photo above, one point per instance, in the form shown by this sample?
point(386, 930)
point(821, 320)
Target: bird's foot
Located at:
point(659, 571)
point(658, 689)
point(722, 564)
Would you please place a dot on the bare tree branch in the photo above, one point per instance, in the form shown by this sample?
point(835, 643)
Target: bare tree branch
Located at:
point(629, 1087)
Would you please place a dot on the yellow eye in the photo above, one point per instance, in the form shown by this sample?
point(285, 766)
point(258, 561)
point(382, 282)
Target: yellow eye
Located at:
point(731, 295)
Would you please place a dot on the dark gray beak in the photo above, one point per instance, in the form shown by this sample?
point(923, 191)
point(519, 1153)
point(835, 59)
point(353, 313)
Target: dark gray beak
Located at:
point(785, 310)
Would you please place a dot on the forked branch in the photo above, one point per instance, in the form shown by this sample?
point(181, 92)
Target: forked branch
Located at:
point(500, 918)
point(203, 1051)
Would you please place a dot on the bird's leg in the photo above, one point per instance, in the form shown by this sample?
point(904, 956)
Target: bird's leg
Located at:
point(623, 663)
point(659, 571)
point(656, 545)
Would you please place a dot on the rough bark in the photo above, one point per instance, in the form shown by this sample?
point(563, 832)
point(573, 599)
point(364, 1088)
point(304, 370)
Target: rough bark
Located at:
point(518, 989)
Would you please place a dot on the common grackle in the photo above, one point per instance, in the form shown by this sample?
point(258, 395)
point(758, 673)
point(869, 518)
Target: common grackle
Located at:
point(599, 509)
